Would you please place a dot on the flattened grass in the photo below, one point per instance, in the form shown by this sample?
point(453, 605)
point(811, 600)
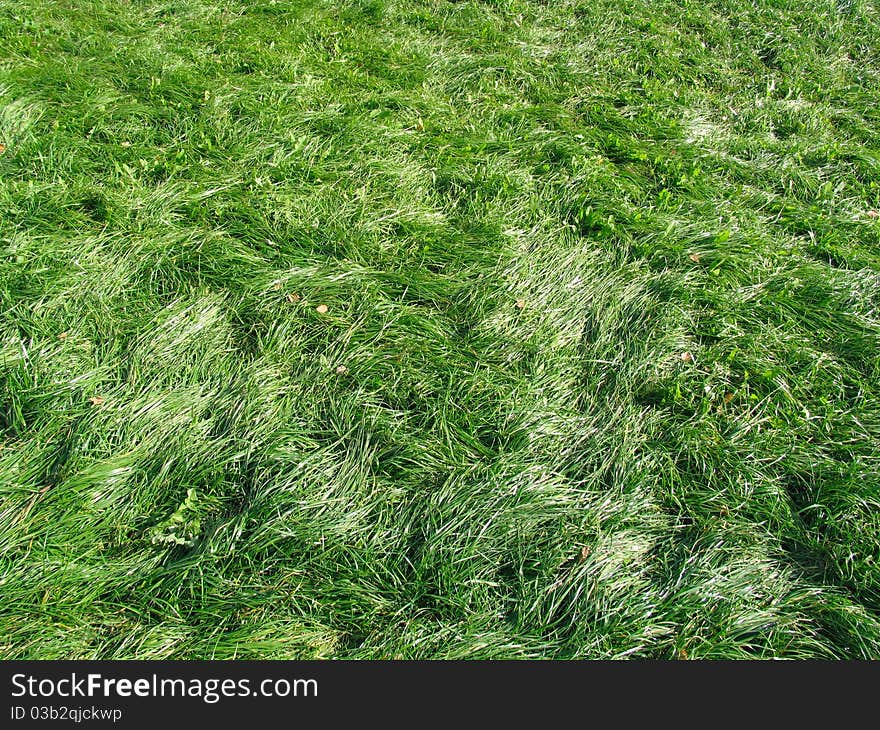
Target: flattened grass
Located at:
point(439, 329)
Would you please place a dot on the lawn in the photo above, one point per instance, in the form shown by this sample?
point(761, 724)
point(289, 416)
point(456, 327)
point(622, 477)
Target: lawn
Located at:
point(426, 329)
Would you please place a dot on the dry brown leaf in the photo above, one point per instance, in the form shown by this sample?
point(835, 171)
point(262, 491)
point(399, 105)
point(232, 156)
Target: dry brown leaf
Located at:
point(727, 398)
point(62, 336)
point(342, 370)
point(96, 400)
point(322, 309)
point(686, 357)
point(520, 303)
point(277, 286)
point(2, 148)
point(293, 297)
point(682, 654)
point(695, 257)
point(585, 552)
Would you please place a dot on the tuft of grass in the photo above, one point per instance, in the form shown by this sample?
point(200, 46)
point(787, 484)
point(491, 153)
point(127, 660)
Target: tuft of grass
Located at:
point(482, 329)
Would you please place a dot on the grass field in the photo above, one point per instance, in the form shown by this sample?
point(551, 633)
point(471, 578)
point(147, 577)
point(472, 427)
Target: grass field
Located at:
point(427, 329)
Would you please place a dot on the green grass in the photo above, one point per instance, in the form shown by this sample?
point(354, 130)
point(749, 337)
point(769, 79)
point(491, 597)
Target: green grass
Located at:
point(599, 373)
